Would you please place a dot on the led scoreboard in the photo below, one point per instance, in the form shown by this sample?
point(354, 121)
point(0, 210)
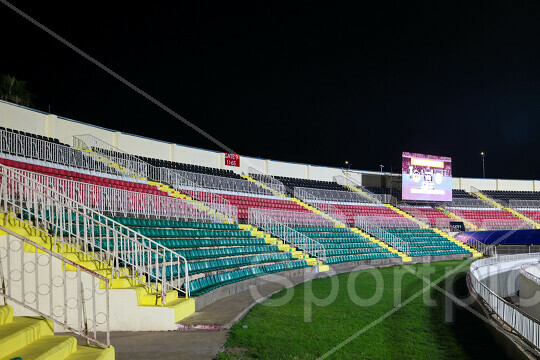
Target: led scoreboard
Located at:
point(426, 177)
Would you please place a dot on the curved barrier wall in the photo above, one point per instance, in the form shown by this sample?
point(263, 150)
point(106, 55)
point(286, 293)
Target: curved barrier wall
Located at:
point(495, 278)
point(502, 237)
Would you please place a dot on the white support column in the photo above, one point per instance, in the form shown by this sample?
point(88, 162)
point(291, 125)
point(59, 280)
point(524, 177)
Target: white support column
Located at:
point(50, 126)
point(115, 137)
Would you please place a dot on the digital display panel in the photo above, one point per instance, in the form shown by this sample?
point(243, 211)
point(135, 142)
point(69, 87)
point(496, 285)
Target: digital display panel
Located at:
point(426, 177)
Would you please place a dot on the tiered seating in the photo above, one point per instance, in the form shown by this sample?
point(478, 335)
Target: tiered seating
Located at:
point(461, 194)
point(512, 195)
point(245, 202)
point(191, 168)
point(427, 212)
point(382, 191)
point(223, 252)
point(426, 242)
point(352, 210)
point(40, 137)
point(315, 184)
point(482, 216)
point(83, 177)
point(343, 245)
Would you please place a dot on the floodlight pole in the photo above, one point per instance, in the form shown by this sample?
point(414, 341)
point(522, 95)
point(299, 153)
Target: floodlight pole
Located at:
point(483, 164)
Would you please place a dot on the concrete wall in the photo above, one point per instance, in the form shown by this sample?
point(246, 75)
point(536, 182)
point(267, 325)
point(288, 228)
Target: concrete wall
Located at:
point(24, 119)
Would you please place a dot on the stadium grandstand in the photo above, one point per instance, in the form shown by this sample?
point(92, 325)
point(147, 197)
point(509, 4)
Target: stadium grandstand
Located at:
point(152, 232)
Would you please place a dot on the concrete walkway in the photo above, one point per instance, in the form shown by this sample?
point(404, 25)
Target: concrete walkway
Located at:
point(201, 336)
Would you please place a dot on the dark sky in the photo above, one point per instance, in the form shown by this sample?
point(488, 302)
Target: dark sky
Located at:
point(301, 81)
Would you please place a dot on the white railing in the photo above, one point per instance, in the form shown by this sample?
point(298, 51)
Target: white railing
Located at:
point(72, 224)
point(49, 285)
point(367, 195)
point(487, 250)
point(265, 221)
point(391, 222)
point(137, 168)
point(469, 203)
point(12, 144)
point(533, 205)
point(416, 212)
point(340, 196)
point(501, 202)
point(115, 158)
point(267, 180)
point(294, 218)
point(119, 202)
point(506, 224)
point(363, 223)
point(524, 324)
point(308, 197)
point(220, 183)
point(217, 206)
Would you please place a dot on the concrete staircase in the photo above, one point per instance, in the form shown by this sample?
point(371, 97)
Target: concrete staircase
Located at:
point(125, 289)
point(33, 338)
point(404, 257)
point(297, 254)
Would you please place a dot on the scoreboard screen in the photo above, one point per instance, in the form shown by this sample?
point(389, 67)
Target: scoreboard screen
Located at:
point(426, 177)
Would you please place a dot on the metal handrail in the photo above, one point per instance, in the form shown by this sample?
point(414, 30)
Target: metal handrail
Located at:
point(363, 223)
point(306, 195)
point(307, 245)
point(121, 202)
point(527, 326)
point(115, 246)
point(267, 180)
point(506, 224)
point(295, 218)
point(82, 317)
point(137, 168)
point(13, 144)
point(524, 204)
point(370, 197)
point(391, 222)
point(219, 207)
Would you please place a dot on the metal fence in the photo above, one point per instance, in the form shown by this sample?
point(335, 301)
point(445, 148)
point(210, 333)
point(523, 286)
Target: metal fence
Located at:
point(264, 220)
point(47, 284)
point(391, 222)
point(119, 202)
point(267, 180)
point(135, 167)
point(364, 223)
point(525, 325)
point(533, 205)
point(217, 206)
point(126, 163)
point(416, 212)
point(307, 196)
point(506, 224)
point(102, 239)
point(221, 183)
point(294, 218)
point(469, 203)
point(13, 144)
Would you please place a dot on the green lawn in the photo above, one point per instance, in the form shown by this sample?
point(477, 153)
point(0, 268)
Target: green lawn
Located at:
point(415, 331)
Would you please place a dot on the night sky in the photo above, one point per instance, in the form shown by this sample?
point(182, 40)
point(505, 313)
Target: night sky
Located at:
point(300, 81)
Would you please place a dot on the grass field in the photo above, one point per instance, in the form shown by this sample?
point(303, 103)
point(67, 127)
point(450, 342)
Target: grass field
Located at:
point(417, 330)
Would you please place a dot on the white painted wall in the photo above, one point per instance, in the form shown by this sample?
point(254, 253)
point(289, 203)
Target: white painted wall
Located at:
point(19, 118)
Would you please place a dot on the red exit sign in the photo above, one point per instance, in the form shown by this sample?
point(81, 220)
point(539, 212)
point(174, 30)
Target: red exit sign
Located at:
point(232, 159)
